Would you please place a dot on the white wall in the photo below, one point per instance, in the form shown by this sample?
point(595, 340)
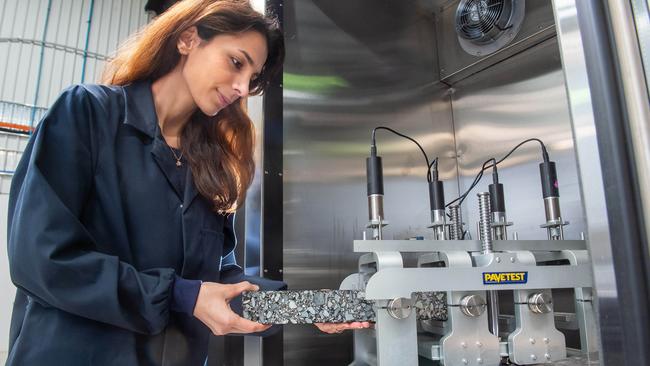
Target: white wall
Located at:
point(22, 32)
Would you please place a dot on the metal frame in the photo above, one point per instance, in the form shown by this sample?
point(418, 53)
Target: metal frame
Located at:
point(362, 246)
point(467, 339)
point(272, 189)
point(591, 49)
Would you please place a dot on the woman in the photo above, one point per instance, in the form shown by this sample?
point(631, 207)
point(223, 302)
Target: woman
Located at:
point(120, 221)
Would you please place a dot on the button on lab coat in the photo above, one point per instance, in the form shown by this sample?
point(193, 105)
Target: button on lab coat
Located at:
point(95, 231)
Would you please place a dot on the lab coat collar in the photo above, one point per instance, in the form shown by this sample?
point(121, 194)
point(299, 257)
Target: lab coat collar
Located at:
point(141, 114)
point(140, 111)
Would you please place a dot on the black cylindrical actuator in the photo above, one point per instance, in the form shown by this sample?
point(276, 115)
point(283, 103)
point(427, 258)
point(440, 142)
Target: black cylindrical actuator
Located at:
point(497, 200)
point(436, 195)
point(375, 175)
point(549, 179)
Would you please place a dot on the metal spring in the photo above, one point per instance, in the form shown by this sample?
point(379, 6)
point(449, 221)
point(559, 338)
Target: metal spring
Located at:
point(456, 227)
point(485, 221)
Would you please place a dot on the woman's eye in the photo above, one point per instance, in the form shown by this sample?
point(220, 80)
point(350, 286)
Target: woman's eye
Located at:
point(236, 63)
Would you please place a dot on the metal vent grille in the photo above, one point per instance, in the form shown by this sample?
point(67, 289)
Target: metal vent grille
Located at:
point(487, 23)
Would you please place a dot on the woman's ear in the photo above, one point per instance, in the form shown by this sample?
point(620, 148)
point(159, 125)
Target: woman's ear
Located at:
point(188, 40)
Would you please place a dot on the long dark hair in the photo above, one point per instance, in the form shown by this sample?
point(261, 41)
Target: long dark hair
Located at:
point(219, 149)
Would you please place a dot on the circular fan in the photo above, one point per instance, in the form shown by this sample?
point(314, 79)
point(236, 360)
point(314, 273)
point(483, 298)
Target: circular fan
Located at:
point(484, 26)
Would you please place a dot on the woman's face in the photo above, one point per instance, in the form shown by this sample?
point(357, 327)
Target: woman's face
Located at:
point(218, 72)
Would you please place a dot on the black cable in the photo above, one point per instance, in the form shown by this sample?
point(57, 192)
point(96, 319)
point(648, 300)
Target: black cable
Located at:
point(433, 176)
point(478, 177)
point(374, 146)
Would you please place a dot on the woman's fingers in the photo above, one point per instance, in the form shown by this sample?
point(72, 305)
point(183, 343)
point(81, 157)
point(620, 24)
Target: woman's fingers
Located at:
point(213, 310)
point(241, 325)
point(340, 327)
point(236, 289)
point(326, 327)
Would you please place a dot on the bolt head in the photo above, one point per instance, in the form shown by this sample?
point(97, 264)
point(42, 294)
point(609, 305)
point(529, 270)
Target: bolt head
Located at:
point(512, 259)
point(463, 344)
point(479, 344)
point(531, 340)
point(464, 361)
point(547, 356)
point(546, 340)
point(498, 259)
point(533, 357)
point(479, 361)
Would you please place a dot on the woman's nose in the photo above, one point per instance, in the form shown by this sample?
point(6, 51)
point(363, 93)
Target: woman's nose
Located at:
point(241, 87)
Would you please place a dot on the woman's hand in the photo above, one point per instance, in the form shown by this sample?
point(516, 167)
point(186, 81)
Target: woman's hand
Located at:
point(213, 310)
point(340, 327)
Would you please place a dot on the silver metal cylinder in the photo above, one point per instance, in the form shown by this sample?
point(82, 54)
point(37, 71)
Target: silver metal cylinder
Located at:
point(552, 208)
point(472, 305)
point(375, 207)
point(500, 231)
point(438, 216)
point(540, 302)
point(493, 311)
point(456, 228)
point(554, 224)
point(439, 221)
point(485, 221)
point(399, 308)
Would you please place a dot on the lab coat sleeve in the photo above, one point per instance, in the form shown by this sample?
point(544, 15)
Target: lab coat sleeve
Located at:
point(50, 251)
point(232, 273)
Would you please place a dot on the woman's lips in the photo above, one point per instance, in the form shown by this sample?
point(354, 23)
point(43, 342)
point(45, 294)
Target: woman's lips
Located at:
point(223, 100)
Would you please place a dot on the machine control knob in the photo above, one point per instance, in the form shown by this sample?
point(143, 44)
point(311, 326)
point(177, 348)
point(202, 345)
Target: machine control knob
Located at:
point(399, 308)
point(540, 302)
point(473, 305)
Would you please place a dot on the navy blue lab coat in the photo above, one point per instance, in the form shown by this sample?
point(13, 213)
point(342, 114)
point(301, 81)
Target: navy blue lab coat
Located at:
point(95, 232)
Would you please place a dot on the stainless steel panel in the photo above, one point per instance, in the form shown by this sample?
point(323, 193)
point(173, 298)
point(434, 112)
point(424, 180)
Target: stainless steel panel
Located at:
point(587, 151)
point(344, 76)
point(636, 95)
point(521, 97)
point(350, 67)
point(641, 10)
